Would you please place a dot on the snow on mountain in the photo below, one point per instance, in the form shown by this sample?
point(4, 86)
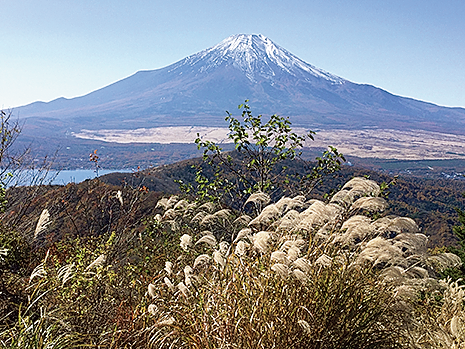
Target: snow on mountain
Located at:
point(255, 55)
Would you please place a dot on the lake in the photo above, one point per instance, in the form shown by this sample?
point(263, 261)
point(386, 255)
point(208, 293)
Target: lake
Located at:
point(64, 177)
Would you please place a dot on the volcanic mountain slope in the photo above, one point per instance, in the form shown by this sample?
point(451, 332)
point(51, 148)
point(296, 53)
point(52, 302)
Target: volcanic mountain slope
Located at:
point(198, 89)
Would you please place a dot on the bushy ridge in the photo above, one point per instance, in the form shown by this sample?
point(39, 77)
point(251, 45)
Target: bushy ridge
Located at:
point(299, 274)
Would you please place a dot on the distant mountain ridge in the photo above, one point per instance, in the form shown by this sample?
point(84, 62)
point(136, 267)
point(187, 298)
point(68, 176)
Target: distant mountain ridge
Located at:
point(197, 90)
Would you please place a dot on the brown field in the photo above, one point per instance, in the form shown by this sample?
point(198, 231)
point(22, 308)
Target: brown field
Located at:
point(366, 143)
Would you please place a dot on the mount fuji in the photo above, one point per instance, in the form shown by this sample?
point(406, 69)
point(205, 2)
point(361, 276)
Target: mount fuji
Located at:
point(197, 90)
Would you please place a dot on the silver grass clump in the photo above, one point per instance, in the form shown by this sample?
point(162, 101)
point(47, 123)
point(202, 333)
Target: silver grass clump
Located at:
point(416, 272)
point(152, 290)
point(342, 198)
point(355, 230)
point(201, 261)
point(3, 251)
point(452, 317)
point(305, 326)
point(290, 241)
point(286, 204)
point(174, 225)
point(258, 199)
point(444, 261)
point(199, 217)
point(323, 234)
point(224, 248)
point(292, 245)
point(293, 253)
point(38, 272)
point(269, 214)
point(162, 203)
point(411, 244)
point(242, 220)
point(219, 259)
point(405, 291)
point(42, 223)
point(354, 221)
point(280, 257)
point(300, 275)
point(186, 242)
point(209, 207)
point(456, 326)
point(152, 309)
point(65, 273)
point(223, 214)
point(404, 225)
point(324, 261)
point(289, 221)
point(181, 205)
point(281, 269)
point(314, 216)
point(379, 251)
point(302, 264)
point(189, 210)
point(206, 232)
point(393, 274)
point(244, 233)
point(372, 204)
point(169, 214)
point(99, 261)
point(209, 219)
point(168, 268)
point(119, 196)
point(166, 322)
point(188, 275)
point(363, 186)
point(207, 239)
point(172, 201)
point(392, 226)
point(241, 248)
point(319, 209)
point(262, 241)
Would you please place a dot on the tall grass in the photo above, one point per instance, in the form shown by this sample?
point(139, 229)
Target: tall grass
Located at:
point(297, 273)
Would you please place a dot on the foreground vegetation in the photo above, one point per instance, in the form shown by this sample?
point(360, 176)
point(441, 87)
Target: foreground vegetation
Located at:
point(294, 274)
point(237, 261)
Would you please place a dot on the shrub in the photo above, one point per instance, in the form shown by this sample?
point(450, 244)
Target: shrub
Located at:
point(301, 274)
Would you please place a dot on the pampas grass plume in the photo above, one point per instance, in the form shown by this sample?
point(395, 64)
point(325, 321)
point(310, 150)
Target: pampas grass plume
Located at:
point(152, 290)
point(324, 261)
point(241, 248)
point(168, 267)
point(300, 275)
point(201, 260)
point(280, 257)
point(208, 239)
point(281, 269)
point(219, 259)
point(152, 309)
point(38, 271)
point(186, 242)
point(305, 326)
point(42, 223)
point(119, 196)
point(97, 263)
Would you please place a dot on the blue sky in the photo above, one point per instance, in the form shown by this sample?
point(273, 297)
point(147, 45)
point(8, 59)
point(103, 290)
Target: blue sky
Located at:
point(55, 48)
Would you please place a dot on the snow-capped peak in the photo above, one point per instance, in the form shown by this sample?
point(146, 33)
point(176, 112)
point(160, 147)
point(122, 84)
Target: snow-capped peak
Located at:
point(257, 56)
